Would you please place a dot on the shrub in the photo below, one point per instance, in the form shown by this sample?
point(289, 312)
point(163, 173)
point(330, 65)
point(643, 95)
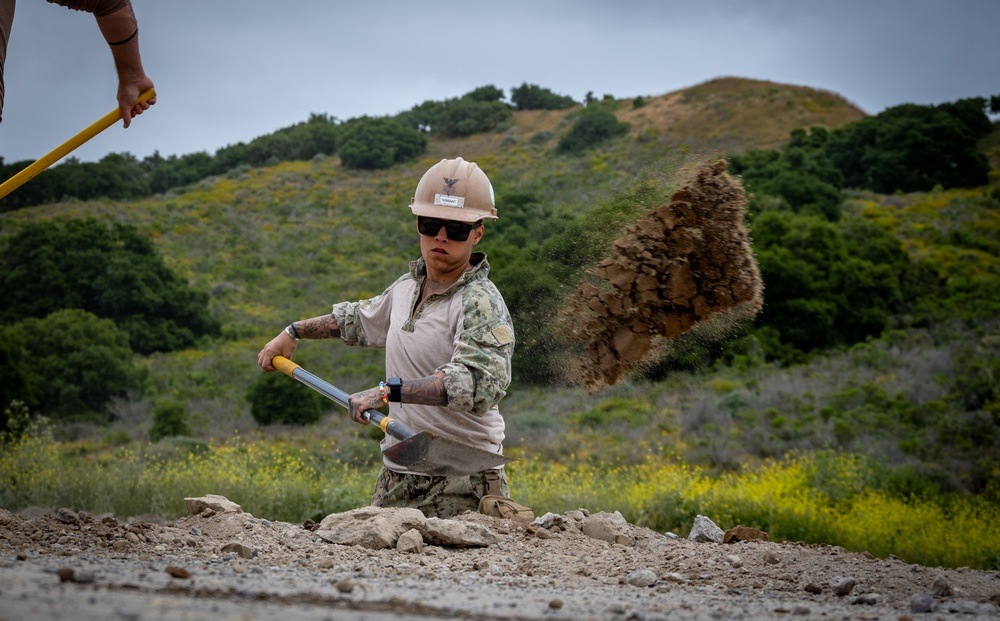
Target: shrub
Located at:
point(591, 128)
point(80, 364)
point(376, 143)
point(108, 270)
point(169, 419)
point(276, 400)
point(534, 97)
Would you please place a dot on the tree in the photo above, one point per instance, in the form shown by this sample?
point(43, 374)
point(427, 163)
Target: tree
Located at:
point(591, 128)
point(913, 148)
point(169, 419)
point(826, 284)
point(375, 143)
point(534, 97)
point(110, 271)
point(277, 400)
point(78, 364)
point(800, 175)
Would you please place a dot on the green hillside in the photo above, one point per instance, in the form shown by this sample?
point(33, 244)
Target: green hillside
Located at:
point(273, 244)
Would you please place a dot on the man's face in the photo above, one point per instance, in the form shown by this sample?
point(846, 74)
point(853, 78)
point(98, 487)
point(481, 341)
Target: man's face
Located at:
point(443, 250)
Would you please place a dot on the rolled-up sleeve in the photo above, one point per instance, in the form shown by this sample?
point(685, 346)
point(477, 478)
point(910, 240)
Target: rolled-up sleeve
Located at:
point(100, 8)
point(478, 375)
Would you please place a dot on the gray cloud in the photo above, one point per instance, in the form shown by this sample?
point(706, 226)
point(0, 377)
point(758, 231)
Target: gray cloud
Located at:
point(230, 70)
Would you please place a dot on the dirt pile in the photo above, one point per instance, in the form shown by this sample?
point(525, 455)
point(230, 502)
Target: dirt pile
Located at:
point(222, 563)
point(683, 264)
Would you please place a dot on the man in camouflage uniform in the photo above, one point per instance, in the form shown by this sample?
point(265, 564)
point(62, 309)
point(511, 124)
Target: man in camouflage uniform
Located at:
point(448, 338)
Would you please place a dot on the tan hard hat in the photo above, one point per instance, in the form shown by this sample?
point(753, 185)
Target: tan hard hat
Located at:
point(454, 190)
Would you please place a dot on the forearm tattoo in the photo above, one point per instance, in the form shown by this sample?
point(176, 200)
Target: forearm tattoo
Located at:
point(324, 327)
point(425, 391)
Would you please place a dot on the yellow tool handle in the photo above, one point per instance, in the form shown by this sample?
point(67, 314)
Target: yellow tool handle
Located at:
point(284, 365)
point(65, 148)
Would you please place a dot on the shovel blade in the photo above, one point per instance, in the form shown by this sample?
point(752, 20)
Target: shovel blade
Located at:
point(431, 454)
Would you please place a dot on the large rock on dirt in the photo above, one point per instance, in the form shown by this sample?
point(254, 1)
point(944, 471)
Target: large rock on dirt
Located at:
point(705, 530)
point(212, 502)
point(375, 528)
point(457, 534)
point(379, 528)
point(610, 527)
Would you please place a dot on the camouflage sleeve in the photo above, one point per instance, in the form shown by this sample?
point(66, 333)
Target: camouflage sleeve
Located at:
point(478, 374)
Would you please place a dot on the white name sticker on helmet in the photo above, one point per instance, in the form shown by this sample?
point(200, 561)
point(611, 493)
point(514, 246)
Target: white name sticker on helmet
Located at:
point(449, 201)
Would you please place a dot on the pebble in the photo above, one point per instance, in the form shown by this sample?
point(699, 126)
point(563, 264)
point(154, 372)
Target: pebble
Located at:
point(868, 599)
point(841, 585)
point(922, 602)
point(642, 578)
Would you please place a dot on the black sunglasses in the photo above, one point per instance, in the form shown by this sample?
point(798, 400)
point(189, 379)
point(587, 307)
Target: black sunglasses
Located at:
point(457, 231)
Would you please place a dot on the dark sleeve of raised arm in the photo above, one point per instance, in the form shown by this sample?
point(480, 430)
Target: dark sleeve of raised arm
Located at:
point(99, 8)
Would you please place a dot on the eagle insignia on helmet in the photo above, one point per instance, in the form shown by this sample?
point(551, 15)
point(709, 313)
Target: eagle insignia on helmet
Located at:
point(450, 185)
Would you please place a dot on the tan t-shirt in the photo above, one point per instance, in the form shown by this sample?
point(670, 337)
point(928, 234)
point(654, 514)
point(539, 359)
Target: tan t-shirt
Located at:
point(466, 332)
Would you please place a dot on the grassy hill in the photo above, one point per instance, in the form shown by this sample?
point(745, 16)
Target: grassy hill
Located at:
point(280, 243)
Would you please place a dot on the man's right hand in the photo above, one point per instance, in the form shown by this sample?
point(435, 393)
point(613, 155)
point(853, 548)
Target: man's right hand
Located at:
point(281, 345)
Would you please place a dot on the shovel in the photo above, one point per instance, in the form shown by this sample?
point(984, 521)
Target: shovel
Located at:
point(65, 148)
point(424, 452)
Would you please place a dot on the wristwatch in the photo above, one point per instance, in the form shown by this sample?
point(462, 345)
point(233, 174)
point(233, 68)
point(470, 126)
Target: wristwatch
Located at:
point(395, 389)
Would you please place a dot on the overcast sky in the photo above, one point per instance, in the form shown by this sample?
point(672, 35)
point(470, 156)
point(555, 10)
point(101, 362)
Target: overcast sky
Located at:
point(227, 71)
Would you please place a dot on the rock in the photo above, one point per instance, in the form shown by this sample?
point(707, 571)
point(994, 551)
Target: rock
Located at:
point(642, 578)
point(744, 533)
point(969, 607)
point(610, 527)
point(922, 602)
point(375, 528)
point(457, 534)
point(67, 516)
point(219, 504)
point(734, 561)
point(556, 604)
point(941, 587)
point(65, 574)
point(868, 599)
point(813, 588)
point(841, 585)
point(549, 520)
point(705, 530)
point(177, 572)
point(411, 541)
point(345, 585)
point(241, 550)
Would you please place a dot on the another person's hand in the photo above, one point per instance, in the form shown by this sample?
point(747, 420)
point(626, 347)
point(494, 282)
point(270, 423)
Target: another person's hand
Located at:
point(357, 403)
point(281, 345)
point(129, 89)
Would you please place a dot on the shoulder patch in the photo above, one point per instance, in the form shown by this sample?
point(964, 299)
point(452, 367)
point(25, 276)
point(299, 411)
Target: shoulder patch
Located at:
point(502, 334)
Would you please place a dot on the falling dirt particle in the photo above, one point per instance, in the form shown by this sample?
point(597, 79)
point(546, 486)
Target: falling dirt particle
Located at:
point(685, 264)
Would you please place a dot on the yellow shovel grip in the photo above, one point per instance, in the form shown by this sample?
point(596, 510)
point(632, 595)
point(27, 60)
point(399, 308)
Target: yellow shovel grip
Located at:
point(284, 365)
point(65, 148)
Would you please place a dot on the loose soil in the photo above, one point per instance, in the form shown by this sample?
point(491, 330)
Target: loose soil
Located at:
point(237, 566)
point(685, 265)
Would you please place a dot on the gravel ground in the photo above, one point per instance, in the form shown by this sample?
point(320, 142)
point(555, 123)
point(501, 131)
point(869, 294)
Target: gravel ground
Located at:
point(235, 566)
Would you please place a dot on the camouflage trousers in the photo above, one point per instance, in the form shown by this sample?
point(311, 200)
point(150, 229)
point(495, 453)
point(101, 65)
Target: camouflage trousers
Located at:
point(441, 497)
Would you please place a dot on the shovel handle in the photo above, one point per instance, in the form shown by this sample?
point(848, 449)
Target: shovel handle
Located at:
point(388, 425)
point(65, 148)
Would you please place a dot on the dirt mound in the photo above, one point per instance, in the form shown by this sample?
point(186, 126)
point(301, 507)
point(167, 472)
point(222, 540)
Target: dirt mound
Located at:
point(684, 264)
point(222, 563)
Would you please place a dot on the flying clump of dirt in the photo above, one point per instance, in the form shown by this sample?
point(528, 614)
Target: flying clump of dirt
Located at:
point(685, 264)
